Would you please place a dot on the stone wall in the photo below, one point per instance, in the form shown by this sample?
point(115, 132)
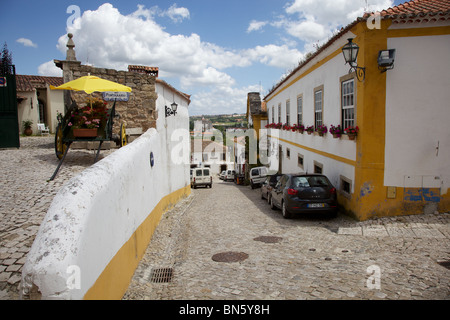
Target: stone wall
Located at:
point(139, 111)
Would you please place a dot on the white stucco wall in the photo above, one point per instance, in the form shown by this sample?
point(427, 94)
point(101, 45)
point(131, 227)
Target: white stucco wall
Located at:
point(417, 113)
point(97, 212)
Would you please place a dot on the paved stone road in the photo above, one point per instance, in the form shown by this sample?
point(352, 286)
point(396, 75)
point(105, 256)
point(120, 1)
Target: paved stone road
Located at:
point(25, 196)
point(314, 259)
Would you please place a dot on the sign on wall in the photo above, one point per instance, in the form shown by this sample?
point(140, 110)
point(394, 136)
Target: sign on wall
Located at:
point(116, 96)
point(2, 81)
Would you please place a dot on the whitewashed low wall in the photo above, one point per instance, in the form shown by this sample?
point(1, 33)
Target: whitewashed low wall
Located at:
point(95, 214)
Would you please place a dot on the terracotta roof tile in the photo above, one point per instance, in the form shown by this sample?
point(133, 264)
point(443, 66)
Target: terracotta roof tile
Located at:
point(419, 7)
point(29, 83)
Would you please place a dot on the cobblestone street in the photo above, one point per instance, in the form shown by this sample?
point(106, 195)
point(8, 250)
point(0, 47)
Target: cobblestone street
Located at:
point(302, 258)
point(25, 197)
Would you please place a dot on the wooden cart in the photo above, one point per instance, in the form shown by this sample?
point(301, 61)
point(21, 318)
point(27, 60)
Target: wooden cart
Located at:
point(64, 135)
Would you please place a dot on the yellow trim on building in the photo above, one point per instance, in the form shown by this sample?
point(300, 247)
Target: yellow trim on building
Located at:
point(311, 69)
point(418, 32)
point(322, 153)
point(115, 278)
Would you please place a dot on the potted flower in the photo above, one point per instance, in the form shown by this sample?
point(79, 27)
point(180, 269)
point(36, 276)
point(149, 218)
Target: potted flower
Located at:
point(322, 129)
point(352, 132)
point(86, 120)
point(336, 131)
point(309, 129)
point(286, 127)
point(27, 127)
point(298, 127)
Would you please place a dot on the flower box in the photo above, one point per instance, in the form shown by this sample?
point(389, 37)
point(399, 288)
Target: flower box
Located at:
point(84, 132)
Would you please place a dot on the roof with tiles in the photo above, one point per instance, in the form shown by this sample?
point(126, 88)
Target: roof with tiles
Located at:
point(417, 7)
point(29, 83)
point(422, 11)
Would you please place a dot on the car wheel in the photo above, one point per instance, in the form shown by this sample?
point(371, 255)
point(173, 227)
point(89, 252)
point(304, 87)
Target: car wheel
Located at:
point(285, 212)
point(272, 206)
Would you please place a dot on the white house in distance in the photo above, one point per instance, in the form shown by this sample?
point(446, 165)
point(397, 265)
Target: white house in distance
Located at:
point(398, 97)
point(210, 154)
point(36, 102)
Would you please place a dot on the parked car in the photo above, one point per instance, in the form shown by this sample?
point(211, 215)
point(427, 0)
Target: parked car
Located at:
point(304, 193)
point(258, 176)
point(222, 175)
point(268, 185)
point(201, 177)
point(230, 175)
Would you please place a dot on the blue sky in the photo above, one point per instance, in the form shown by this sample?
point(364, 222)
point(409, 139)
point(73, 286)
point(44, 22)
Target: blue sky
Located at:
point(216, 51)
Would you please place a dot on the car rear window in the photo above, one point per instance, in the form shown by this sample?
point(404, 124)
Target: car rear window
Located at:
point(310, 181)
point(198, 173)
point(206, 172)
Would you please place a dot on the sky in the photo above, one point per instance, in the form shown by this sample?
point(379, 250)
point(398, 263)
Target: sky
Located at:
point(215, 51)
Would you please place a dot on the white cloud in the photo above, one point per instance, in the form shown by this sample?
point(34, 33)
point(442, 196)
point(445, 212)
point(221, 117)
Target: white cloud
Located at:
point(49, 69)
point(176, 14)
point(106, 38)
point(256, 25)
point(316, 20)
point(26, 42)
point(275, 56)
point(223, 100)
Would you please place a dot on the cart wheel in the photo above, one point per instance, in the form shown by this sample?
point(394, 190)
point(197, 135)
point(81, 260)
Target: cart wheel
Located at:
point(123, 135)
point(60, 146)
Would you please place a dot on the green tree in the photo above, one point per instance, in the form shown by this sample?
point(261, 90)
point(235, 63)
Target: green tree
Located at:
point(5, 60)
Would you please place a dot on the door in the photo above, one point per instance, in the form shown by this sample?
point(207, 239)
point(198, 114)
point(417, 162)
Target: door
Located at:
point(9, 123)
point(277, 192)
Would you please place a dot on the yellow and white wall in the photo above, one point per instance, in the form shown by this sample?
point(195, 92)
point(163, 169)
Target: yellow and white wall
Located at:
point(392, 167)
point(100, 223)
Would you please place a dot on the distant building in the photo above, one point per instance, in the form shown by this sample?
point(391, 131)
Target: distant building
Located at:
point(37, 102)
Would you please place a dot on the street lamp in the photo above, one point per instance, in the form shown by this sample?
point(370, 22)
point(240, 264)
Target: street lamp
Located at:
point(172, 110)
point(350, 52)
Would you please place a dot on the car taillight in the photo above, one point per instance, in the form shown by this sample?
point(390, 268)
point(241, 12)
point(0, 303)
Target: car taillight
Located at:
point(292, 192)
point(333, 190)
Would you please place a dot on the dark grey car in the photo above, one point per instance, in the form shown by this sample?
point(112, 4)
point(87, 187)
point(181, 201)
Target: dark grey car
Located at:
point(268, 185)
point(304, 193)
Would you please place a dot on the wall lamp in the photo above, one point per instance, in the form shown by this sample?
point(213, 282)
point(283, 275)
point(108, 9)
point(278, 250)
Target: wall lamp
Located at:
point(172, 110)
point(350, 52)
point(386, 60)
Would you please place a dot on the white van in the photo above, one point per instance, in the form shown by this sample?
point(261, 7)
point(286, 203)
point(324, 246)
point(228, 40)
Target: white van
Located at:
point(201, 177)
point(229, 176)
point(258, 176)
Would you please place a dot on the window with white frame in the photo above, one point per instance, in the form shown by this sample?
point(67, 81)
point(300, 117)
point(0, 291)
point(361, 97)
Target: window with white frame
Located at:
point(288, 112)
point(318, 107)
point(348, 103)
point(273, 114)
point(279, 113)
point(300, 110)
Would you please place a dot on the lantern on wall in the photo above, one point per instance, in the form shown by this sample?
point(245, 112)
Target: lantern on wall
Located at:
point(350, 52)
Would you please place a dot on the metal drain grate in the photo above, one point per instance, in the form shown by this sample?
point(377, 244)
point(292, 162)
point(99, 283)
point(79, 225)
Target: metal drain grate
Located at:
point(161, 275)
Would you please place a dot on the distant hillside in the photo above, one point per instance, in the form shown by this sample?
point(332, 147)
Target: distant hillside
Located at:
point(222, 121)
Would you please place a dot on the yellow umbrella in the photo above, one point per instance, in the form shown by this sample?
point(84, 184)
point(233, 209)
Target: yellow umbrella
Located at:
point(91, 84)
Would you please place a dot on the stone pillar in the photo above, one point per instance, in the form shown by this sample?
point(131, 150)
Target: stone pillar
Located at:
point(67, 66)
